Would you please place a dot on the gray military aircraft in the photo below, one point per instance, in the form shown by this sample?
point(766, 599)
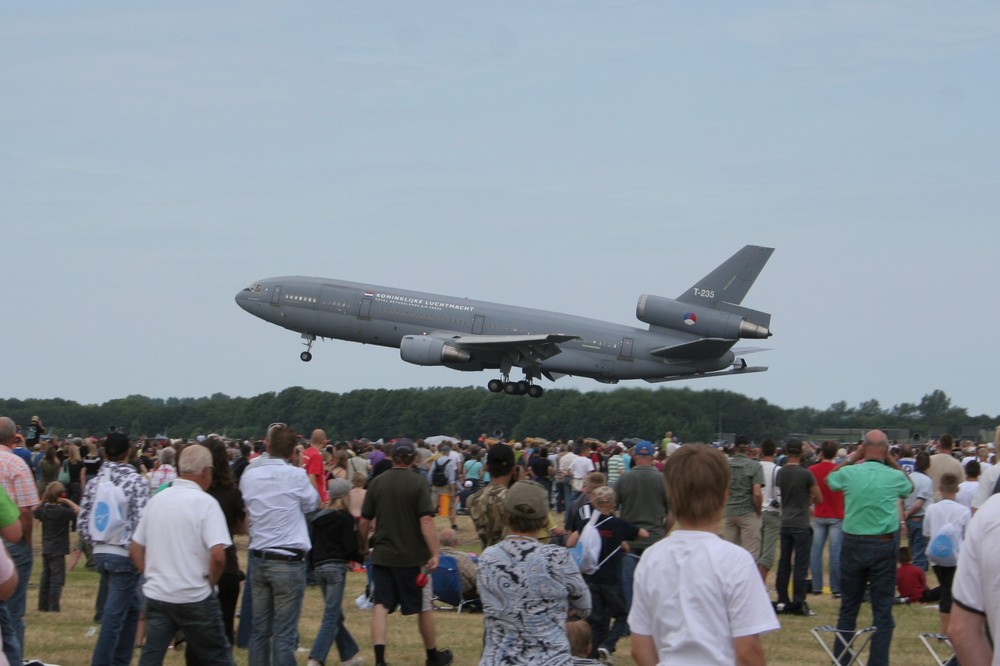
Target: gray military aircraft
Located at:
point(690, 336)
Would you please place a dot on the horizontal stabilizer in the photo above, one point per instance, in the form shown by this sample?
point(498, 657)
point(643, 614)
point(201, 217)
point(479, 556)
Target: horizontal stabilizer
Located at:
point(705, 348)
point(734, 371)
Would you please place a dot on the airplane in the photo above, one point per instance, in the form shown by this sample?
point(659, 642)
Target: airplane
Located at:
point(691, 336)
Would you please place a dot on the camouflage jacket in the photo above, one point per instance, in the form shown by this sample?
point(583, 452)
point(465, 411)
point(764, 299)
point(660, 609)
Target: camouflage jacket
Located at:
point(488, 514)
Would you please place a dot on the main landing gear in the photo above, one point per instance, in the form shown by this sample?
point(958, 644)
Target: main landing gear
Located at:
point(523, 387)
point(307, 356)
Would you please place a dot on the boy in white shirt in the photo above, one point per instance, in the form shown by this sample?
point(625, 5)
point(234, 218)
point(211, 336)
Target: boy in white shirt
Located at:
point(714, 592)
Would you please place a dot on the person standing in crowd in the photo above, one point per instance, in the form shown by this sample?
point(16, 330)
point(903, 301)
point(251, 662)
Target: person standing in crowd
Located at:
point(17, 479)
point(873, 484)
point(278, 495)
point(828, 518)
point(643, 502)
point(742, 517)
point(404, 546)
point(770, 515)
point(974, 626)
point(56, 514)
point(944, 462)
point(225, 491)
point(914, 508)
point(609, 612)
point(948, 518)
point(444, 477)
point(179, 547)
point(335, 544)
point(312, 462)
point(111, 539)
point(798, 487)
point(165, 471)
point(528, 588)
point(698, 619)
point(486, 506)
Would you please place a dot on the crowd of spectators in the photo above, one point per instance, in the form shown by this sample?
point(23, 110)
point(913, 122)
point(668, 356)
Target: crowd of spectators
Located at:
point(849, 521)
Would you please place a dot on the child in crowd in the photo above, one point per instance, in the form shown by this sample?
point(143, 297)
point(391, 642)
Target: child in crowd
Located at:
point(335, 544)
point(912, 582)
point(578, 632)
point(56, 513)
point(938, 517)
point(358, 492)
point(689, 617)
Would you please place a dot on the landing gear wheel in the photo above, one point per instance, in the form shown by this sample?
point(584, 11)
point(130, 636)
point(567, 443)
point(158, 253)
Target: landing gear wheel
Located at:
point(535, 391)
point(306, 356)
point(494, 386)
point(522, 387)
point(510, 388)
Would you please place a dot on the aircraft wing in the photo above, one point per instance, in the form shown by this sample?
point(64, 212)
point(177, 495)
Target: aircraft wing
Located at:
point(735, 371)
point(534, 347)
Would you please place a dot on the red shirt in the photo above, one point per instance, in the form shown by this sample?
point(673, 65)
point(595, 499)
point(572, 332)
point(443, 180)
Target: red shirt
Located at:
point(312, 461)
point(832, 505)
point(911, 582)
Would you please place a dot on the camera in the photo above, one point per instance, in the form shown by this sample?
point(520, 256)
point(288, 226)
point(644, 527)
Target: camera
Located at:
point(775, 504)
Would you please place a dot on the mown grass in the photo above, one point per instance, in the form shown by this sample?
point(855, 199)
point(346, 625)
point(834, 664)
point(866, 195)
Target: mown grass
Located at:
point(62, 638)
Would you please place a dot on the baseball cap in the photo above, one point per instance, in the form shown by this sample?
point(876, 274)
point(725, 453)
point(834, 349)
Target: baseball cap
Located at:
point(403, 446)
point(527, 499)
point(644, 448)
point(500, 458)
point(793, 447)
point(338, 488)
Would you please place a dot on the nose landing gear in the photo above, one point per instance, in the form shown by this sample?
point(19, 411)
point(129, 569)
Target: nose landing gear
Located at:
point(307, 356)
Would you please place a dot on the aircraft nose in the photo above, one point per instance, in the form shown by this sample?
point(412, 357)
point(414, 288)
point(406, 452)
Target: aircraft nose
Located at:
point(243, 298)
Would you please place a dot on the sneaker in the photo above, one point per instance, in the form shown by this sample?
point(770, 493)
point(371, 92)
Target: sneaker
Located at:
point(804, 610)
point(356, 660)
point(605, 657)
point(441, 658)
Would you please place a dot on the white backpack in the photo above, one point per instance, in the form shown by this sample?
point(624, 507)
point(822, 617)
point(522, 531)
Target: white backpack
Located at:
point(587, 551)
point(109, 513)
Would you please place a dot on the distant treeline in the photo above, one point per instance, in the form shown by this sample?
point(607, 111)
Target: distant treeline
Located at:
point(469, 412)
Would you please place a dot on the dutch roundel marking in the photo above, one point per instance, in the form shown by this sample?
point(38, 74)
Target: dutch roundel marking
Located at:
point(690, 318)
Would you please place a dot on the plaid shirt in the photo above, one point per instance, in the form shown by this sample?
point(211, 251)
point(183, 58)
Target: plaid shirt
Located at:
point(17, 479)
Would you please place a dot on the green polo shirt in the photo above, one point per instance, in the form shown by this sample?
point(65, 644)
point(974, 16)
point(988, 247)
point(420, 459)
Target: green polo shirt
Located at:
point(871, 490)
point(744, 475)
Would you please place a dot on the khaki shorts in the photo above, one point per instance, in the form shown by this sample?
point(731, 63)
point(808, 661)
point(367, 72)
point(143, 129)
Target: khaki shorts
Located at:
point(770, 530)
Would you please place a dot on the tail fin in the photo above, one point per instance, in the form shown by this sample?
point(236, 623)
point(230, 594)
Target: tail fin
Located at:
point(730, 282)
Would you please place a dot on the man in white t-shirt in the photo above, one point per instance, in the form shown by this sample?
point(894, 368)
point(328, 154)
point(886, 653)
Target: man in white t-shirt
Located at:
point(689, 618)
point(180, 546)
point(976, 589)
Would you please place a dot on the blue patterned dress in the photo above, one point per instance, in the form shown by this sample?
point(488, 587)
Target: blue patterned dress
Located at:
point(527, 589)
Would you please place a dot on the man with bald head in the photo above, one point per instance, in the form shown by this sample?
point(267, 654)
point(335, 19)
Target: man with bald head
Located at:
point(873, 484)
point(312, 461)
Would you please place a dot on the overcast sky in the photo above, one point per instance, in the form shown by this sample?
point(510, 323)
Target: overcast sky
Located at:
point(158, 157)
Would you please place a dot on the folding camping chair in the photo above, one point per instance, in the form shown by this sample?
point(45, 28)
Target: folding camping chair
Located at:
point(448, 585)
point(932, 641)
point(851, 650)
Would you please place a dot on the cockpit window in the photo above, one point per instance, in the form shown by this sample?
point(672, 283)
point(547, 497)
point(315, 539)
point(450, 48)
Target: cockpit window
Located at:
point(257, 288)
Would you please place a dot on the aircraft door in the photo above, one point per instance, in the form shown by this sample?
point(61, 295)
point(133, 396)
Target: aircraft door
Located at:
point(276, 295)
point(478, 322)
point(626, 349)
point(365, 311)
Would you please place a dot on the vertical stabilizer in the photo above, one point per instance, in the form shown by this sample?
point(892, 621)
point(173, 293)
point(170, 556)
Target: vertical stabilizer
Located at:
point(730, 282)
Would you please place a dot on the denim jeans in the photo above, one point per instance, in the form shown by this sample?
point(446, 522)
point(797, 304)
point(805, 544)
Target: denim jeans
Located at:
point(120, 618)
point(795, 542)
point(12, 610)
point(608, 609)
point(201, 623)
point(629, 562)
point(330, 577)
point(826, 529)
point(864, 560)
point(245, 627)
point(278, 589)
point(918, 541)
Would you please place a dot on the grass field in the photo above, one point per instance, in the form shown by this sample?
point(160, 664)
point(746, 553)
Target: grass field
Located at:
point(63, 638)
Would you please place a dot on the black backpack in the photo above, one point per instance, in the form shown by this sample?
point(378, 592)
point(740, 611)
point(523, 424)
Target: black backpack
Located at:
point(438, 476)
